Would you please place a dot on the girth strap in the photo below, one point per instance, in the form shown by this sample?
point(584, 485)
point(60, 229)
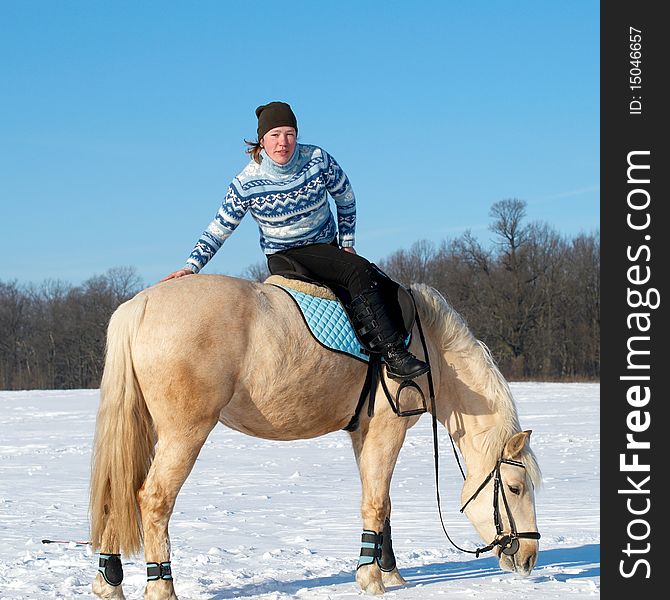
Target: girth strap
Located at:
point(367, 393)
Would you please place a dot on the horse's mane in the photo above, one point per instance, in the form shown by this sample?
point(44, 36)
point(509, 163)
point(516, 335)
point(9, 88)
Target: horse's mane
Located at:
point(486, 379)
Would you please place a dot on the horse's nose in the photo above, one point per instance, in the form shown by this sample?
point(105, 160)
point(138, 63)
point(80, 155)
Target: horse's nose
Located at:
point(526, 566)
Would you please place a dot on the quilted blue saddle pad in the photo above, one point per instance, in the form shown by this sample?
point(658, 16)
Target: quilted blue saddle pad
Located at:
point(328, 323)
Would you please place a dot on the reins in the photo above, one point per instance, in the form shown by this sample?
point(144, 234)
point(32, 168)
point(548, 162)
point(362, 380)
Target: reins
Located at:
point(509, 543)
point(436, 451)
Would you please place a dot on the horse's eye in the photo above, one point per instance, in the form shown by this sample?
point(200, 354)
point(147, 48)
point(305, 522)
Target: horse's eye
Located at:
point(515, 490)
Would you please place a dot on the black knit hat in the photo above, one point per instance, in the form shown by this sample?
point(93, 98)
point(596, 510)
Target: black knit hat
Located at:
point(275, 114)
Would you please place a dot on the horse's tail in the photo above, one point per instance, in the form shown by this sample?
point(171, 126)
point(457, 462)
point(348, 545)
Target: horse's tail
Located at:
point(124, 440)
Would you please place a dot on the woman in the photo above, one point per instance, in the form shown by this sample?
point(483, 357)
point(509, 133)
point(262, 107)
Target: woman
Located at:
point(285, 187)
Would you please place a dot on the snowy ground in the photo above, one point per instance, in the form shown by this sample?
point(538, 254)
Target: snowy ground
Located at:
point(279, 520)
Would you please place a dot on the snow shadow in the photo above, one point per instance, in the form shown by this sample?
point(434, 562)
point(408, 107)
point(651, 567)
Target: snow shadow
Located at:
point(577, 562)
point(558, 564)
point(253, 590)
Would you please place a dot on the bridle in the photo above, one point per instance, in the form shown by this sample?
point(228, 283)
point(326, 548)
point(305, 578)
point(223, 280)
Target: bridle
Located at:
point(508, 542)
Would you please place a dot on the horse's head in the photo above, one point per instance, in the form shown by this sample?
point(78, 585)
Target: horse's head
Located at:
point(500, 503)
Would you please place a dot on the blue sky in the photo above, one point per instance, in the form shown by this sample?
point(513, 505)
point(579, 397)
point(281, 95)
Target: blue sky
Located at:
point(122, 123)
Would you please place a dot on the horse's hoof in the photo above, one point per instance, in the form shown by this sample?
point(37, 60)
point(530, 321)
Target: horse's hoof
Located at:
point(369, 580)
point(103, 590)
point(391, 578)
point(375, 588)
point(160, 592)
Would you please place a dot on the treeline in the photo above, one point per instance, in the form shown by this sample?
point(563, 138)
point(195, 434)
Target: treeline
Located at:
point(533, 297)
point(53, 336)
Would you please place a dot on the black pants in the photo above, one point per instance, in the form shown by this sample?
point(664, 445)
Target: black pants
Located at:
point(331, 265)
point(348, 275)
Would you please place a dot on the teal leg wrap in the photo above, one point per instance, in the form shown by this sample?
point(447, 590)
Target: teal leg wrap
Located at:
point(157, 571)
point(371, 548)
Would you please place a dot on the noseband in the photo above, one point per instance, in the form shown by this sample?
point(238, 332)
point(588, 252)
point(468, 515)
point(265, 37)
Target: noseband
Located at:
point(509, 543)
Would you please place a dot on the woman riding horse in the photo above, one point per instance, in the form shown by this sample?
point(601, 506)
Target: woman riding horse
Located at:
point(285, 187)
point(170, 377)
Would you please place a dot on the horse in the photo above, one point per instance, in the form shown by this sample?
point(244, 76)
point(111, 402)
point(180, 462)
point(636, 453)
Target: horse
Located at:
point(189, 353)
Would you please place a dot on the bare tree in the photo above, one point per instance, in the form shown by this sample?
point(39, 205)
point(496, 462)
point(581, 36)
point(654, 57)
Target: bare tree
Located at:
point(413, 265)
point(13, 304)
point(507, 226)
point(124, 282)
point(53, 336)
point(256, 272)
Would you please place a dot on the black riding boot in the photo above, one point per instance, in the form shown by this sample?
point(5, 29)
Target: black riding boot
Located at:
point(376, 329)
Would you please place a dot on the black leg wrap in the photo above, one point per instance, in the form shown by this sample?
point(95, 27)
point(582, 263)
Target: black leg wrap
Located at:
point(156, 571)
point(387, 559)
point(111, 569)
point(377, 547)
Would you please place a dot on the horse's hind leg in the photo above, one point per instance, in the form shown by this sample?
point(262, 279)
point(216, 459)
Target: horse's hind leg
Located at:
point(376, 447)
point(101, 588)
point(176, 452)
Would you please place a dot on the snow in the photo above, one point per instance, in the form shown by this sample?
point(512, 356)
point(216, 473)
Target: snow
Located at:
point(280, 520)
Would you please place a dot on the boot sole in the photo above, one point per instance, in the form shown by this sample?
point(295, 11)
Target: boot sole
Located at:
point(393, 375)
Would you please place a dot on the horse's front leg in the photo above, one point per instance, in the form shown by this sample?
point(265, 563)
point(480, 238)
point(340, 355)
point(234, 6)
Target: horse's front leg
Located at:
point(376, 446)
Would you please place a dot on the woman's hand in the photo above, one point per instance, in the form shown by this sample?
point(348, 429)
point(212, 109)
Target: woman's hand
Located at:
point(176, 274)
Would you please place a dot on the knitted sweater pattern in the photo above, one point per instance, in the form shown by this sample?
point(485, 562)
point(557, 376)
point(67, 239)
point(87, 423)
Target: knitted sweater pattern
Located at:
point(288, 202)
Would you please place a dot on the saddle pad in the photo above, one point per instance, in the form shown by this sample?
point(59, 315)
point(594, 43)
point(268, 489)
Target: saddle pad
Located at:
point(328, 322)
point(312, 289)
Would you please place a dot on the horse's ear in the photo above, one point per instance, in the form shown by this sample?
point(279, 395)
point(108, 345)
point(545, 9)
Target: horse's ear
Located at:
point(516, 443)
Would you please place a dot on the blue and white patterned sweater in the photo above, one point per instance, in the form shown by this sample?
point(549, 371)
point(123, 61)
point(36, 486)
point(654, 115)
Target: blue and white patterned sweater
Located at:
point(288, 202)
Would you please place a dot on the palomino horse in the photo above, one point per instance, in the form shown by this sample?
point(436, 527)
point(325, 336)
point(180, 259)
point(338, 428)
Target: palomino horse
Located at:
point(194, 351)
